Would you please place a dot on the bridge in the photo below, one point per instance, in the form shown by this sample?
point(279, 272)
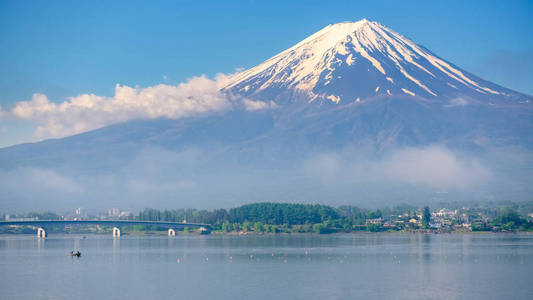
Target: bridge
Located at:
point(172, 226)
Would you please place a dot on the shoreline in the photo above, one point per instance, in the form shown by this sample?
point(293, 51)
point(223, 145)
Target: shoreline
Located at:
point(253, 234)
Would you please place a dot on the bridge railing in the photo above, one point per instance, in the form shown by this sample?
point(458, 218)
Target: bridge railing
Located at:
point(115, 223)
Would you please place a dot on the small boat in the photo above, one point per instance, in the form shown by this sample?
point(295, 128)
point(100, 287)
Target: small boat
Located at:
point(77, 253)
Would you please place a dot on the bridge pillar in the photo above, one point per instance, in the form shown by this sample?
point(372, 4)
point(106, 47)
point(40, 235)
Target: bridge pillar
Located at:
point(204, 230)
point(41, 233)
point(116, 231)
point(171, 232)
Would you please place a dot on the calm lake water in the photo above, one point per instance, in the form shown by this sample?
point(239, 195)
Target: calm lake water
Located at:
point(342, 266)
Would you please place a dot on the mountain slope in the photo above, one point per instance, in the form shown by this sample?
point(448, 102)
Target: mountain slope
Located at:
point(352, 61)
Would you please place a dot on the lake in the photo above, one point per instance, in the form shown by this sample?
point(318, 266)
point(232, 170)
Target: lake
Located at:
point(339, 266)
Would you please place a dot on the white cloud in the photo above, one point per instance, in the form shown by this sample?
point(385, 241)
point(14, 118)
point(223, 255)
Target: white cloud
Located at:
point(197, 177)
point(328, 167)
point(434, 166)
point(195, 97)
point(35, 181)
point(258, 105)
point(199, 95)
point(459, 101)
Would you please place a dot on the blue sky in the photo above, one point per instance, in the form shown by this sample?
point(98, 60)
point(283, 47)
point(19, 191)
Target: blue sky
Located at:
point(67, 48)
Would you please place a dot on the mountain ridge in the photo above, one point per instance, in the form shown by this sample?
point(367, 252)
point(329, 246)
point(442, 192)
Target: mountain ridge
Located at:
point(352, 61)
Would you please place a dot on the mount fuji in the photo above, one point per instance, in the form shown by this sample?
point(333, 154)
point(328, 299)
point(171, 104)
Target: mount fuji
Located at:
point(348, 94)
point(352, 61)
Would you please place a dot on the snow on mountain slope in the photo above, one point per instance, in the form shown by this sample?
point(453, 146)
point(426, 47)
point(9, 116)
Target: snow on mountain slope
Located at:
point(351, 61)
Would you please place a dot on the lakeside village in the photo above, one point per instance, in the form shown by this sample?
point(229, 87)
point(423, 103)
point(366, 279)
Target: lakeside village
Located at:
point(262, 218)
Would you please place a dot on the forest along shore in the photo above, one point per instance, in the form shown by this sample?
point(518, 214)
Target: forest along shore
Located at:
point(268, 217)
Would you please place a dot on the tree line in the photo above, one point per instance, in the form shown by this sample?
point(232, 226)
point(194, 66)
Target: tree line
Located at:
point(266, 213)
point(291, 217)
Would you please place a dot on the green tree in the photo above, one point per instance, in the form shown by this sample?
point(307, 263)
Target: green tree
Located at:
point(508, 219)
point(508, 214)
point(226, 226)
point(258, 227)
point(347, 227)
point(480, 226)
point(318, 227)
point(426, 217)
point(373, 227)
point(246, 226)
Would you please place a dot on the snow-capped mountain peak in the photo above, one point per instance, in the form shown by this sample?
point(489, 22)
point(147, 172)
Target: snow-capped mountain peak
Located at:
point(351, 61)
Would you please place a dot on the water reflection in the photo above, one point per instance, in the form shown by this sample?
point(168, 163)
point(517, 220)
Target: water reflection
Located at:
point(41, 242)
point(425, 241)
point(116, 243)
point(398, 266)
